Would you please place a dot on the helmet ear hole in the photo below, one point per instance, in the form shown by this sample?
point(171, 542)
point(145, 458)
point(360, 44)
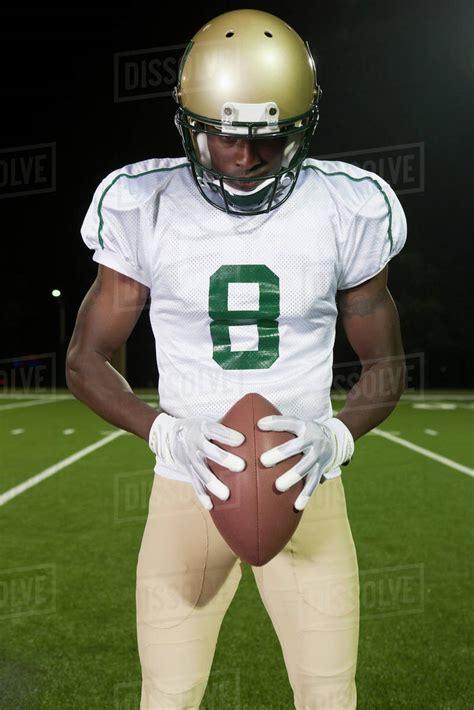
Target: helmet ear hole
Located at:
point(268, 34)
point(229, 34)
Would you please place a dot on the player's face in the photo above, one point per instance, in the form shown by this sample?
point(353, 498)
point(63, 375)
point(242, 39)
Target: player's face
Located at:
point(241, 157)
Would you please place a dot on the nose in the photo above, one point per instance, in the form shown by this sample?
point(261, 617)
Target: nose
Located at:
point(247, 157)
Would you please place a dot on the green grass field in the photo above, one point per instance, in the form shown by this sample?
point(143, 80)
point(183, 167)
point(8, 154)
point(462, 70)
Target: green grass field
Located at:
point(69, 547)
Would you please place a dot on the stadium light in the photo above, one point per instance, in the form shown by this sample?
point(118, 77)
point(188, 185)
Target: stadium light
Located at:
point(56, 293)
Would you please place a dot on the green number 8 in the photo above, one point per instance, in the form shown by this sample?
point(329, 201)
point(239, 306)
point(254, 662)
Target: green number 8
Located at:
point(265, 317)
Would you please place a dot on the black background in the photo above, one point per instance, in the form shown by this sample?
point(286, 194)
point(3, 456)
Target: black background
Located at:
point(392, 74)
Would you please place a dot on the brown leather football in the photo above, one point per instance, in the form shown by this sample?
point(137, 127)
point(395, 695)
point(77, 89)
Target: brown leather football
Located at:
point(256, 520)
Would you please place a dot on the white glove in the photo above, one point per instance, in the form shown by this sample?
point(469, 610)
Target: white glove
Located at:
point(184, 444)
point(325, 446)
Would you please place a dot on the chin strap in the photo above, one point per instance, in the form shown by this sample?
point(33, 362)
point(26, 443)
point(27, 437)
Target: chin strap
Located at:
point(245, 193)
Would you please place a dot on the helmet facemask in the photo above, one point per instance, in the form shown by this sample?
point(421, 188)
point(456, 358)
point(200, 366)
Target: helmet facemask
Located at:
point(273, 188)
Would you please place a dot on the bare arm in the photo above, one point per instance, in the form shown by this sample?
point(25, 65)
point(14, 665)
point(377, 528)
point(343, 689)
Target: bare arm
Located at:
point(372, 326)
point(107, 316)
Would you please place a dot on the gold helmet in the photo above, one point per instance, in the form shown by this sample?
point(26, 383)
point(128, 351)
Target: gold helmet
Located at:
point(247, 74)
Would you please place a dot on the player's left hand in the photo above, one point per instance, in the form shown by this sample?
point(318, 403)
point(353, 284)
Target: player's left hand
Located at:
point(324, 445)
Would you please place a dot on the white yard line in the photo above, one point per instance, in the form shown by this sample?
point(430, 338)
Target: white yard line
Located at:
point(440, 397)
point(36, 395)
point(428, 396)
point(424, 452)
point(51, 470)
point(20, 405)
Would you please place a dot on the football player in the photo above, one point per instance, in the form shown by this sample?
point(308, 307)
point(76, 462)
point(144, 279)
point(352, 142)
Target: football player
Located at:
point(248, 249)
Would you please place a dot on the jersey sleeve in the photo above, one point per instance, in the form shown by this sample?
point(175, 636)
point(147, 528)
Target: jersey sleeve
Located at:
point(112, 227)
point(376, 232)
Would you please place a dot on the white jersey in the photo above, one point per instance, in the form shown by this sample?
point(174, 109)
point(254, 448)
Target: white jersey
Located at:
point(244, 303)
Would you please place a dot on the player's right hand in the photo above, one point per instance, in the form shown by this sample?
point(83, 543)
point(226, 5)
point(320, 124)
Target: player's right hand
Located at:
point(184, 444)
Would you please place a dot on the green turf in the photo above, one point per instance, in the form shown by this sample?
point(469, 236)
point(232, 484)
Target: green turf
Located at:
point(43, 442)
point(69, 548)
point(454, 427)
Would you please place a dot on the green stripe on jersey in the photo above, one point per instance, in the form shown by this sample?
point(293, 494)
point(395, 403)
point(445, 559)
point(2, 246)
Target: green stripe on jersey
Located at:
point(145, 172)
point(365, 177)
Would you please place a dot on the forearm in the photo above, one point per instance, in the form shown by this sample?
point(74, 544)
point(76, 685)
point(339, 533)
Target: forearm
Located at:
point(374, 396)
point(95, 382)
